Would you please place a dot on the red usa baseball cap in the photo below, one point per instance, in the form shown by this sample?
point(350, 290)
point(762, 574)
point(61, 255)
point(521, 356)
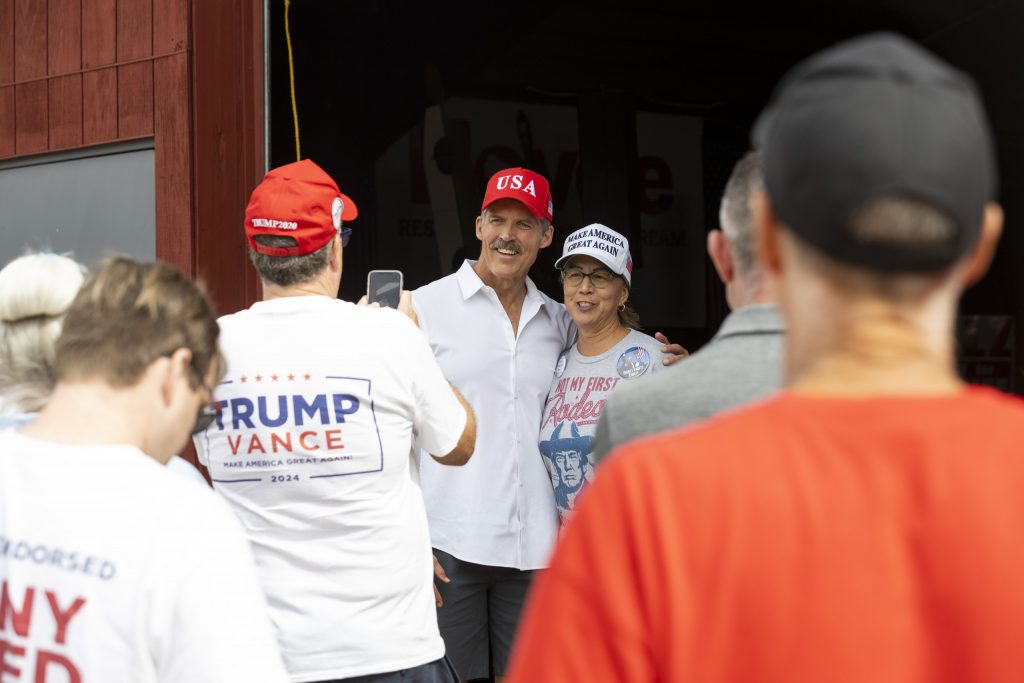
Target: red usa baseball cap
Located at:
point(297, 200)
point(523, 185)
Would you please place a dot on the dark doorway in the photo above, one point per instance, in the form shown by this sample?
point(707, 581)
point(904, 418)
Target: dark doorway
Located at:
point(634, 111)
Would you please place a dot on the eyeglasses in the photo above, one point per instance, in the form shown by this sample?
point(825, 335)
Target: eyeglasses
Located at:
point(205, 417)
point(208, 412)
point(346, 235)
point(599, 278)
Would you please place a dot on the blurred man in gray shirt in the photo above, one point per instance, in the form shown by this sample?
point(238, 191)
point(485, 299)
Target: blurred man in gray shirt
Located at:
point(741, 363)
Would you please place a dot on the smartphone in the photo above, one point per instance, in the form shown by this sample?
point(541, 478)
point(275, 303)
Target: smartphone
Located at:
point(384, 287)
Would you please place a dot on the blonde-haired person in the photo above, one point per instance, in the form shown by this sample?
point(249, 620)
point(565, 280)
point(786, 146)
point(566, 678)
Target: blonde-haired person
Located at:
point(35, 292)
point(147, 577)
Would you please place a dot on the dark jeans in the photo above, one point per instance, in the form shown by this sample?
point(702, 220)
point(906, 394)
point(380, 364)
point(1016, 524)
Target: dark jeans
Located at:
point(480, 615)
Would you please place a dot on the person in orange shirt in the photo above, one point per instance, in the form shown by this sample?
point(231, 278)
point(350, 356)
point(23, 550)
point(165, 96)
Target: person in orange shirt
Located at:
point(865, 524)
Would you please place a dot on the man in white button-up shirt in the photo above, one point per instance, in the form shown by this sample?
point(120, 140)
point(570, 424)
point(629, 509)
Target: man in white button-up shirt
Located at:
point(497, 339)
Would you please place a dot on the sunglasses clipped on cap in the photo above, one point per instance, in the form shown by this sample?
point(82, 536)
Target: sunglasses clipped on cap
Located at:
point(206, 415)
point(346, 235)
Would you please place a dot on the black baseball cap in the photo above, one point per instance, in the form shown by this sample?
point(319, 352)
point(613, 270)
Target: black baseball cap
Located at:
point(874, 116)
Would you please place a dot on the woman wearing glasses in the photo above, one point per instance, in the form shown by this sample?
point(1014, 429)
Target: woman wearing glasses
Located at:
point(596, 278)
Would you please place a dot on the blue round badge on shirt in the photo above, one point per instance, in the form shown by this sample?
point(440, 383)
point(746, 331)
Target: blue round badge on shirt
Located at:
point(633, 362)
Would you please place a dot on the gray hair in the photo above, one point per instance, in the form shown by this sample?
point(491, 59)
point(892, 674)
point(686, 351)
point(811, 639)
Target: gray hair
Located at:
point(544, 222)
point(35, 293)
point(288, 270)
point(735, 216)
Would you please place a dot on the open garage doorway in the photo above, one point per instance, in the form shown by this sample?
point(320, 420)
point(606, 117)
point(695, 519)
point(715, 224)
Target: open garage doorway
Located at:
point(636, 113)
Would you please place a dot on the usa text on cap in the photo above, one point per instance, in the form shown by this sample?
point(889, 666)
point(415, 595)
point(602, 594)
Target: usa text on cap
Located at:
point(523, 185)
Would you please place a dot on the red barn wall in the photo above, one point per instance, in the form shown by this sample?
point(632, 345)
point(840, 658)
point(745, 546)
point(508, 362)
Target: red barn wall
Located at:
point(187, 73)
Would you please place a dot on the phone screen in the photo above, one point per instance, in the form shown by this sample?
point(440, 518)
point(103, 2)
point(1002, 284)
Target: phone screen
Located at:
point(384, 287)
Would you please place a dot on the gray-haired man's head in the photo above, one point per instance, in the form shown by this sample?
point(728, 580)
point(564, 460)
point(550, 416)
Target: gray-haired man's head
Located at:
point(735, 215)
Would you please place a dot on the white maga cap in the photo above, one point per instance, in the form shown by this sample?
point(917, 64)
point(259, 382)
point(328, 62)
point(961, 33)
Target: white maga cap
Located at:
point(604, 244)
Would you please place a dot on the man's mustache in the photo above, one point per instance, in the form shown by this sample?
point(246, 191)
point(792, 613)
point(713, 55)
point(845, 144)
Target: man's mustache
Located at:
point(499, 243)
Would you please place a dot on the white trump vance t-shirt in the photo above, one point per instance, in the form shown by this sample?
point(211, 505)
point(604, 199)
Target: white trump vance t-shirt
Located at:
point(113, 568)
point(321, 402)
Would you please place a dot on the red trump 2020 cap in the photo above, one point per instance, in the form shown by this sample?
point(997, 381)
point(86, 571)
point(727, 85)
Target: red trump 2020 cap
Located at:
point(300, 201)
point(523, 185)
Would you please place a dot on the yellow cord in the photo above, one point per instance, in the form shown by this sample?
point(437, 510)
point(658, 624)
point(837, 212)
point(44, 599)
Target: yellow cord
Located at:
point(291, 79)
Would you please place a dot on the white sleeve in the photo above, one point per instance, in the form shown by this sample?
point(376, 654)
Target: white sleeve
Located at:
point(439, 418)
point(220, 629)
point(183, 468)
point(421, 315)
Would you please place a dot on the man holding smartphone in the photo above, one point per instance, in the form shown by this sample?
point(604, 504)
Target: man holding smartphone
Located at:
point(384, 288)
point(320, 404)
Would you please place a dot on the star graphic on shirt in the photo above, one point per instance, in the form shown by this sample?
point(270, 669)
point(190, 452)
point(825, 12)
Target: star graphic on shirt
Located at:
point(291, 377)
point(307, 376)
point(273, 378)
point(259, 378)
point(243, 378)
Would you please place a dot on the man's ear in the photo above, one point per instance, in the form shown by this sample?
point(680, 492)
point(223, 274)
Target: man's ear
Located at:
point(335, 258)
point(721, 256)
point(171, 370)
point(549, 234)
point(981, 258)
point(767, 228)
point(479, 226)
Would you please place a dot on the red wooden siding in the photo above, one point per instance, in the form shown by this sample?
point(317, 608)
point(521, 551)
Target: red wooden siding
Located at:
point(6, 121)
point(228, 151)
point(134, 29)
point(174, 200)
point(75, 73)
point(81, 71)
point(99, 33)
point(31, 132)
point(188, 73)
point(64, 36)
point(99, 106)
point(6, 43)
point(29, 39)
point(65, 111)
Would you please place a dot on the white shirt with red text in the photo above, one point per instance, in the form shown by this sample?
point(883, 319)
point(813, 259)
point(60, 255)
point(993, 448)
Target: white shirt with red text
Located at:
point(113, 568)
